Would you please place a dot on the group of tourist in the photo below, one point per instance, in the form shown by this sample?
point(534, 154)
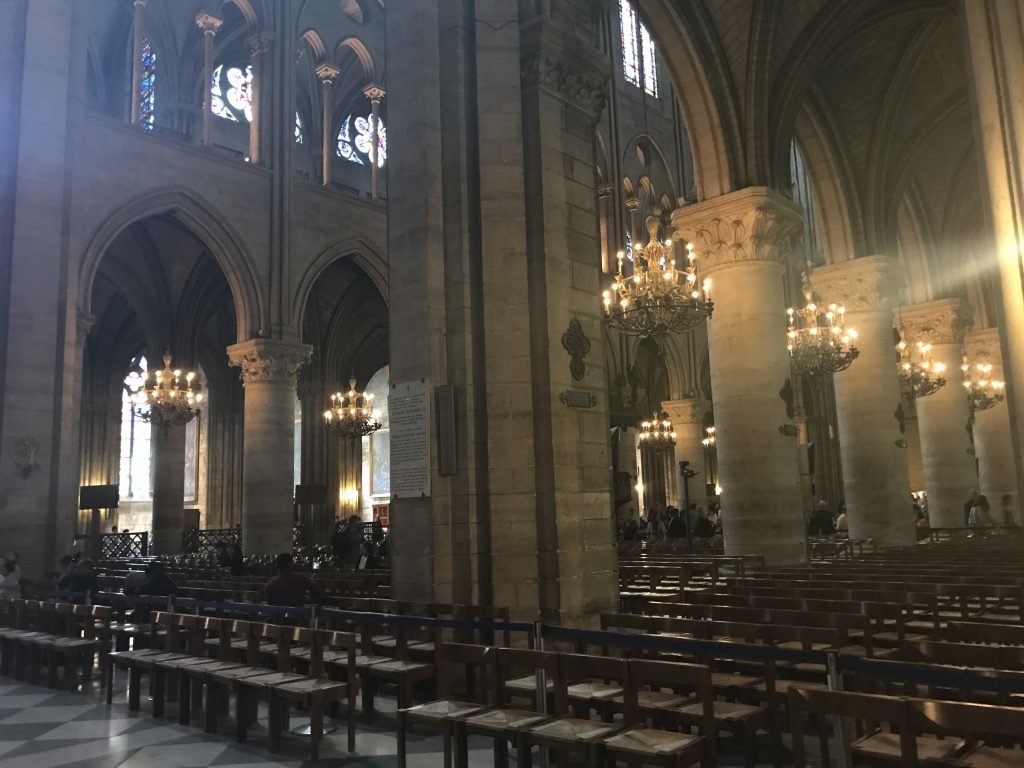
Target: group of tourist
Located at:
point(978, 512)
point(353, 552)
point(671, 523)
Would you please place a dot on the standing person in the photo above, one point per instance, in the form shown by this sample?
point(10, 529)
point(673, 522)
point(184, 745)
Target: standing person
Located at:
point(1008, 512)
point(842, 525)
point(158, 581)
point(676, 525)
point(289, 588)
point(820, 523)
point(235, 559)
point(981, 513)
point(81, 580)
point(353, 542)
point(10, 576)
point(972, 497)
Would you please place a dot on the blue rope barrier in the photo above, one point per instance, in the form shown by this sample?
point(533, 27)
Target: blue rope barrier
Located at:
point(938, 676)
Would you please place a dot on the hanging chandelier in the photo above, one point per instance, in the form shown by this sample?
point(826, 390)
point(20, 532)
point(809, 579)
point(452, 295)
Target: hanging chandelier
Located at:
point(169, 397)
point(919, 375)
point(819, 341)
point(351, 413)
point(658, 297)
point(710, 438)
point(657, 433)
point(983, 392)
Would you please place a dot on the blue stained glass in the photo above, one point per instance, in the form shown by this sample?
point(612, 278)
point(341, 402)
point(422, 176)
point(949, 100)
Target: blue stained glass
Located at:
point(630, 49)
point(650, 63)
point(147, 86)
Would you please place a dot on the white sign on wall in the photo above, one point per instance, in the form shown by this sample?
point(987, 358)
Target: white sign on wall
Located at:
point(409, 414)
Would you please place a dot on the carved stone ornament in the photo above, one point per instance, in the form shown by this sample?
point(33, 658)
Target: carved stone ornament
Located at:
point(860, 285)
point(982, 346)
point(935, 322)
point(259, 44)
point(265, 360)
point(754, 224)
point(584, 90)
point(577, 345)
point(685, 411)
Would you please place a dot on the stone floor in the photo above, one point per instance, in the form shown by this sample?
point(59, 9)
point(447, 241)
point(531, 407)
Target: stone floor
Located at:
point(43, 728)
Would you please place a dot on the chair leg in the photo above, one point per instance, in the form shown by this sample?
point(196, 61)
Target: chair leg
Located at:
point(447, 735)
point(276, 704)
point(400, 736)
point(212, 705)
point(316, 728)
point(350, 716)
point(241, 714)
point(134, 683)
point(523, 752)
point(500, 753)
point(185, 704)
point(159, 688)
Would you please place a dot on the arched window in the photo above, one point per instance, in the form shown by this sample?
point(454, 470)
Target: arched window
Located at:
point(136, 438)
point(231, 93)
point(639, 64)
point(147, 86)
point(377, 447)
point(355, 140)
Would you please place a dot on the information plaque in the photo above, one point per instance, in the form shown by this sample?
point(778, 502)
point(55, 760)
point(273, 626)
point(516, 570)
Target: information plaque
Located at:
point(409, 415)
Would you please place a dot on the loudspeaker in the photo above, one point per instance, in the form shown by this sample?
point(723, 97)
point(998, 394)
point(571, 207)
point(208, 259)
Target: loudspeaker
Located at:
point(98, 497)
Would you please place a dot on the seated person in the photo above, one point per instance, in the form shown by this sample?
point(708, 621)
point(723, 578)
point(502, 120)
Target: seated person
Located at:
point(133, 581)
point(289, 588)
point(80, 580)
point(367, 558)
point(157, 581)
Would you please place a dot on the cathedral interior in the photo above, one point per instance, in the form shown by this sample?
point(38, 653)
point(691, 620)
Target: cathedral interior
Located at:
point(560, 314)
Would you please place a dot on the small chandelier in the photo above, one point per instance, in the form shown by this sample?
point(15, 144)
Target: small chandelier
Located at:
point(982, 391)
point(657, 433)
point(710, 438)
point(170, 397)
point(919, 375)
point(819, 342)
point(351, 413)
point(658, 297)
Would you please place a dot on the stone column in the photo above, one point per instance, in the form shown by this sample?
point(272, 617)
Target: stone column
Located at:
point(606, 226)
point(993, 442)
point(687, 417)
point(949, 471)
point(138, 34)
point(168, 489)
point(995, 36)
point(741, 240)
point(209, 25)
point(375, 94)
point(635, 231)
point(269, 369)
point(259, 46)
point(327, 74)
point(875, 480)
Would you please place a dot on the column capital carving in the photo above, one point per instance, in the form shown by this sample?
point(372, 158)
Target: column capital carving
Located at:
point(327, 73)
point(374, 93)
point(861, 285)
point(208, 23)
point(753, 224)
point(689, 411)
point(268, 360)
point(558, 62)
point(605, 190)
point(935, 322)
point(632, 203)
point(982, 346)
point(139, 3)
point(259, 44)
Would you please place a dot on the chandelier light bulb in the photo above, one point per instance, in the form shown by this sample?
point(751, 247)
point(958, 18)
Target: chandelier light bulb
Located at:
point(166, 398)
point(919, 375)
point(982, 391)
point(351, 413)
point(818, 341)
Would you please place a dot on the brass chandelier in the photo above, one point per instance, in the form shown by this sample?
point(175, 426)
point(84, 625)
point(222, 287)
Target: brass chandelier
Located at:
point(710, 439)
point(351, 413)
point(818, 339)
point(657, 433)
point(658, 297)
point(983, 392)
point(919, 375)
point(168, 397)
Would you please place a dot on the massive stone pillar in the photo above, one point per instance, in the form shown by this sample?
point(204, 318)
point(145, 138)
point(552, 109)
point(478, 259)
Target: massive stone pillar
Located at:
point(495, 253)
point(875, 480)
point(993, 443)
point(943, 417)
point(687, 417)
point(269, 370)
point(995, 35)
point(168, 489)
point(741, 239)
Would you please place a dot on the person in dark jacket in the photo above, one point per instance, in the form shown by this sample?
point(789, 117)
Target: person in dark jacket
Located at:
point(158, 581)
point(820, 523)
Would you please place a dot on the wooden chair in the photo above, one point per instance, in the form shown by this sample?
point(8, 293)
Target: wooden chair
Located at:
point(505, 722)
point(993, 734)
point(568, 731)
point(316, 692)
point(449, 709)
point(895, 745)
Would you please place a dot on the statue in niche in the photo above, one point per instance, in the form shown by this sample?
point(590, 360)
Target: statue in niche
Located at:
point(788, 395)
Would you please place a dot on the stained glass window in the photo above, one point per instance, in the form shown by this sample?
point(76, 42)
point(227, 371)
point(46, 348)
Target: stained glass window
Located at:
point(355, 140)
point(147, 86)
point(639, 63)
point(650, 63)
point(231, 93)
point(136, 439)
point(299, 134)
point(629, 245)
point(630, 50)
